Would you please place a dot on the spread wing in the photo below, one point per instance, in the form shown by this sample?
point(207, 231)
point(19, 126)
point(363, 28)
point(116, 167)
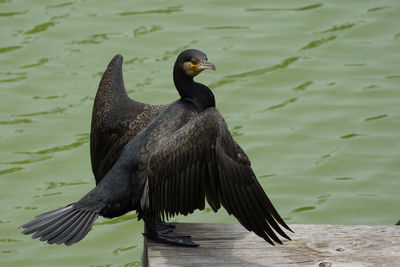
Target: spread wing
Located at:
point(201, 160)
point(116, 119)
point(110, 118)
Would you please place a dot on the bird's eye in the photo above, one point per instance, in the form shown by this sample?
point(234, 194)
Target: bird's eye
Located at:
point(195, 61)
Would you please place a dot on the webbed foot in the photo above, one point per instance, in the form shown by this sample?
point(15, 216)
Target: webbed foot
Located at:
point(164, 234)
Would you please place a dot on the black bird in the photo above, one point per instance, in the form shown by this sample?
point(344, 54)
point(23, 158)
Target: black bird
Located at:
point(162, 160)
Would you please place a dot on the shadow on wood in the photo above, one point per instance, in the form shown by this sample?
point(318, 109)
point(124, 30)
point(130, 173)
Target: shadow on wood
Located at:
point(311, 245)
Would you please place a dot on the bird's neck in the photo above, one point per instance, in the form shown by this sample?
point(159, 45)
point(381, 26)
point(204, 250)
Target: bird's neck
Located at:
point(197, 93)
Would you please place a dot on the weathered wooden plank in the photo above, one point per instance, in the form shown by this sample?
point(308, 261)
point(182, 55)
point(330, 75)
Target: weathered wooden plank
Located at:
point(311, 245)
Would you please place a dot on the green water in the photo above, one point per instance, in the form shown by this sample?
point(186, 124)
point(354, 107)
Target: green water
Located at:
point(309, 89)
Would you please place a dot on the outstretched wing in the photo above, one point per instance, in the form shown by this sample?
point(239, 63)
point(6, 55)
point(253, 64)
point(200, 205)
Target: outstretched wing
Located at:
point(116, 119)
point(110, 120)
point(201, 160)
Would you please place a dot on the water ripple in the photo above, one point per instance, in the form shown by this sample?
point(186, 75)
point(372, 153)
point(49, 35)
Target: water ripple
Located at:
point(10, 14)
point(267, 175)
point(143, 30)
point(316, 43)
point(328, 155)
point(351, 135)
point(344, 178)
point(167, 10)
point(16, 121)
point(53, 185)
point(323, 158)
point(56, 110)
point(340, 28)
point(25, 208)
point(19, 77)
point(284, 64)
point(367, 195)
point(323, 198)
point(372, 86)
point(52, 111)
point(233, 78)
point(172, 53)
point(9, 48)
point(50, 97)
point(39, 63)
point(8, 240)
point(283, 104)
point(27, 161)
point(392, 76)
point(305, 208)
point(60, 17)
point(304, 8)
point(41, 27)
point(377, 8)
point(355, 65)
point(133, 60)
point(227, 28)
point(82, 139)
point(303, 86)
point(10, 170)
point(146, 82)
point(94, 39)
point(120, 219)
point(121, 249)
point(48, 195)
point(376, 117)
point(60, 5)
point(235, 131)
point(8, 251)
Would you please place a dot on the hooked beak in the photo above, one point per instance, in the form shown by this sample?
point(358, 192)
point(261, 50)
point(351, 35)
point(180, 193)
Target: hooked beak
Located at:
point(206, 65)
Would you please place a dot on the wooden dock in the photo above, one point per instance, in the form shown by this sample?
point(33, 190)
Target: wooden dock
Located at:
point(311, 245)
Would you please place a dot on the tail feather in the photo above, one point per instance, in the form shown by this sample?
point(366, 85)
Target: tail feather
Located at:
point(60, 231)
point(39, 222)
point(66, 225)
point(53, 212)
point(70, 231)
point(84, 229)
point(75, 228)
point(51, 226)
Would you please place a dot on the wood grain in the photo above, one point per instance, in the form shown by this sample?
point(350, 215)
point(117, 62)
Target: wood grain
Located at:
point(311, 245)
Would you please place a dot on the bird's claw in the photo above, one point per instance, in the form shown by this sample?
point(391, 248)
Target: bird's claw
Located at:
point(164, 234)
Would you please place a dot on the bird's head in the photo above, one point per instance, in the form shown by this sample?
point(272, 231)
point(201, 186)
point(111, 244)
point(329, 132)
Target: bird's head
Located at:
point(191, 62)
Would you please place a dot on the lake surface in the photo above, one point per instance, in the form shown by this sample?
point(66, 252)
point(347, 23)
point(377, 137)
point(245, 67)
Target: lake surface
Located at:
point(309, 89)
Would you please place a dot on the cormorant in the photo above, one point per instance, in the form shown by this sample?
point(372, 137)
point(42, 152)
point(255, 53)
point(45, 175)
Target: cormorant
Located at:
point(162, 160)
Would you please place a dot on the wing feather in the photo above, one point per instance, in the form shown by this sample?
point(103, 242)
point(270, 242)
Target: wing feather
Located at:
point(116, 119)
point(202, 161)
